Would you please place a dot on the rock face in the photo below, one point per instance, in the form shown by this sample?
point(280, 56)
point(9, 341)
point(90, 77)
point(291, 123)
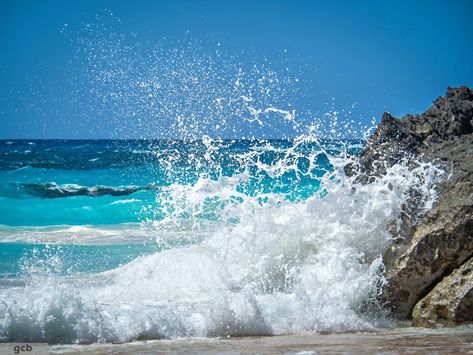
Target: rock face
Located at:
point(450, 302)
point(429, 246)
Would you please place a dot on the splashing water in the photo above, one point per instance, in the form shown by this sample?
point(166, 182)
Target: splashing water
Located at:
point(262, 253)
point(244, 237)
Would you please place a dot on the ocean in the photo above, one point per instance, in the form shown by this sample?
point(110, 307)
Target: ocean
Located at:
point(115, 241)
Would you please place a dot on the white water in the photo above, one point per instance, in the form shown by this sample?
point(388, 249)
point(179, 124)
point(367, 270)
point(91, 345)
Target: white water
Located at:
point(272, 267)
point(91, 235)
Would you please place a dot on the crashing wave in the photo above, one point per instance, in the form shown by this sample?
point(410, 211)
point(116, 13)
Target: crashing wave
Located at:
point(270, 265)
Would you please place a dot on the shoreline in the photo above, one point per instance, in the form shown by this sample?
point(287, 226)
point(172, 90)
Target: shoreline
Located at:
point(399, 340)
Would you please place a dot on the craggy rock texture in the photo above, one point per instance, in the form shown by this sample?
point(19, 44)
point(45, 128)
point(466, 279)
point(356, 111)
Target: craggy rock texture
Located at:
point(428, 247)
point(450, 302)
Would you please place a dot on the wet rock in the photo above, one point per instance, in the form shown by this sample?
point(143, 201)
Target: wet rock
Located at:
point(450, 302)
point(441, 241)
point(428, 246)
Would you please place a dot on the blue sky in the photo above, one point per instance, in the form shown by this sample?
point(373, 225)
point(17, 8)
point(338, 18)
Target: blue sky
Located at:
point(356, 57)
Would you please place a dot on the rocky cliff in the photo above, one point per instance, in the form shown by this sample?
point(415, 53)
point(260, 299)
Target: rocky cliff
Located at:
point(429, 266)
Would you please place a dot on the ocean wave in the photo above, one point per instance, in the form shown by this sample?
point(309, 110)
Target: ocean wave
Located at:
point(78, 234)
point(121, 202)
point(270, 266)
point(188, 232)
point(53, 190)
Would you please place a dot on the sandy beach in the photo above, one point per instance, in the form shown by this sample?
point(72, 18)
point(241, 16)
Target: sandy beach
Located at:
point(407, 340)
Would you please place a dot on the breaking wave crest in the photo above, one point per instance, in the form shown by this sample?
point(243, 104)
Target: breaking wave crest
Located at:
point(272, 262)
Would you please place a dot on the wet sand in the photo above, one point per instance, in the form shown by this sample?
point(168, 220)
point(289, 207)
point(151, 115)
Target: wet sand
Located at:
point(413, 341)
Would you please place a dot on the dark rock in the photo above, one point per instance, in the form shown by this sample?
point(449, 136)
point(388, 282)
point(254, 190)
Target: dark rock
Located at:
point(438, 133)
point(429, 246)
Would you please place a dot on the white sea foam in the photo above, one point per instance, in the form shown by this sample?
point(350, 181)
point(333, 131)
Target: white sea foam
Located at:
point(122, 202)
point(96, 235)
point(269, 266)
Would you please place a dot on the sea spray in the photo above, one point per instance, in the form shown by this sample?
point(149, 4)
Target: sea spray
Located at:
point(265, 262)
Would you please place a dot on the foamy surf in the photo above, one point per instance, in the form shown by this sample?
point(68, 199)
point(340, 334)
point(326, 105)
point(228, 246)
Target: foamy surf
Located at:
point(266, 262)
point(86, 234)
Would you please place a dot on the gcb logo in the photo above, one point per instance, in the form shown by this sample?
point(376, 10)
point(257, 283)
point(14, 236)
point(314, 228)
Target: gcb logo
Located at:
point(22, 348)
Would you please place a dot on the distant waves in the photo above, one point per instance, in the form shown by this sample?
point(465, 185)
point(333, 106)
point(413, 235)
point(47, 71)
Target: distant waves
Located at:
point(53, 190)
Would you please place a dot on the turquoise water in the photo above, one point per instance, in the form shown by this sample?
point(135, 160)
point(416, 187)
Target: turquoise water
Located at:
point(76, 183)
point(16, 258)
point(27, 166)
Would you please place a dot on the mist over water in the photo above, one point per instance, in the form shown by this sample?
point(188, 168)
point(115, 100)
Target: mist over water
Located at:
point(197, 235)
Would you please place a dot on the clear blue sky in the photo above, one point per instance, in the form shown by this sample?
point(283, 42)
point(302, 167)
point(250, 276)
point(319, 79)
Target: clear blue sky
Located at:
point(394, 56)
